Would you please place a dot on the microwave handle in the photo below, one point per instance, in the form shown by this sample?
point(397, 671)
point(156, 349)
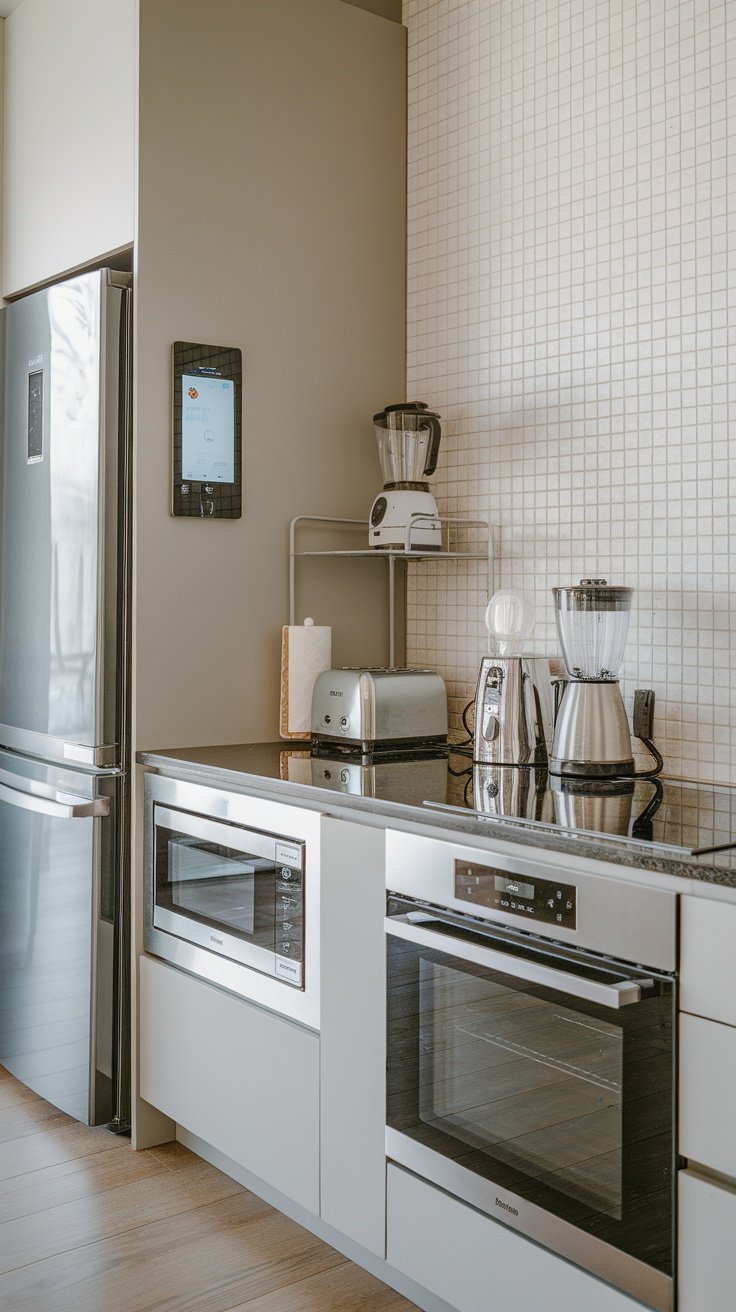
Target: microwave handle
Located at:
point(618, 995)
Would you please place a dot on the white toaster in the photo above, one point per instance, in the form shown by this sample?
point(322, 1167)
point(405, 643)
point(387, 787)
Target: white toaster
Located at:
point(375, 708)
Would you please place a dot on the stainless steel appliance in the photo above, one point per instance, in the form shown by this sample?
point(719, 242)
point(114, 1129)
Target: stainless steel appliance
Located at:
point(379, 707)
point(226, 898)
point(531, 1054)
point(592, 735)
point(513, 711)
point(513, 697)
point(404, 515)
point(64, 621)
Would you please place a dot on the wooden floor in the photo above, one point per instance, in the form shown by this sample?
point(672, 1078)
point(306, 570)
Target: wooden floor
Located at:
point(86, 1224)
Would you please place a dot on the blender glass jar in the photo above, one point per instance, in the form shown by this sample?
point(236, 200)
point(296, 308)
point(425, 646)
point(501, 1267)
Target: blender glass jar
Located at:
point(592, 625)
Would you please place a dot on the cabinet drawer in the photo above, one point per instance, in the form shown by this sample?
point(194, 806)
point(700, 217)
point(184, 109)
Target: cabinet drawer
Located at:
point(473, 1262)
point(707, 959)
point(242, 1079)
point(707, 1256)
point(708, 1093)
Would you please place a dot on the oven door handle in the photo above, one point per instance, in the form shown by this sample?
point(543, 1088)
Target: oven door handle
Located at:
point(622, 994)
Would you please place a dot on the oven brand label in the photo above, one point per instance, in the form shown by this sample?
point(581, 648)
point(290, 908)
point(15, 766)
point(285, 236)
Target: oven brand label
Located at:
point(506, 1207)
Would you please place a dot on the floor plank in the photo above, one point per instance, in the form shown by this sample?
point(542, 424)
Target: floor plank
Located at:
point(345, 1288)
point(86, 1224)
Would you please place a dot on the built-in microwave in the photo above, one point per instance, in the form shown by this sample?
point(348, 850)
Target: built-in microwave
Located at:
point(226, 899)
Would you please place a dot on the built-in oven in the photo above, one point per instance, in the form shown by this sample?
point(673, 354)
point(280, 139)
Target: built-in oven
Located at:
point(226, 894)
point(528, 1075)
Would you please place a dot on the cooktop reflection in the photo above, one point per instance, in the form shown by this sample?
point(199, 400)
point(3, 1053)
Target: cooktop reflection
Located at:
point(683, 816)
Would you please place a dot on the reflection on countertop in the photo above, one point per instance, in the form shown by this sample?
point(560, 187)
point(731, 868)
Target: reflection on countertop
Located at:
point(657, 824)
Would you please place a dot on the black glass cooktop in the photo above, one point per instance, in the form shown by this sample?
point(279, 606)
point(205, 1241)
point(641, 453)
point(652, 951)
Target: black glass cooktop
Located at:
point(688, 817)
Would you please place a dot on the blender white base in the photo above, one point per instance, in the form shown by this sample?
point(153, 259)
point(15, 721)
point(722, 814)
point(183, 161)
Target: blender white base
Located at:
point(405, 519)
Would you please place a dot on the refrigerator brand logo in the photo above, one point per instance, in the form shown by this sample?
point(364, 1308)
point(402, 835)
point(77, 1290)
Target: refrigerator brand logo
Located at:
point(36, 362)
point(218, 941)
point(513, 1211)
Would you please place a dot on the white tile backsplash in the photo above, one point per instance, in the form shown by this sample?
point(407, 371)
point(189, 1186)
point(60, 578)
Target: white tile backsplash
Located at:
point(572, 315)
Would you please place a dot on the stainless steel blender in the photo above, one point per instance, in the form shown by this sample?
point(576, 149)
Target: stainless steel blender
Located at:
point(405, 513)
point(592, 738)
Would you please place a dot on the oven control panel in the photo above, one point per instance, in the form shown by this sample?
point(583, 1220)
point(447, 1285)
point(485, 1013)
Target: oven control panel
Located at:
point(544, 900)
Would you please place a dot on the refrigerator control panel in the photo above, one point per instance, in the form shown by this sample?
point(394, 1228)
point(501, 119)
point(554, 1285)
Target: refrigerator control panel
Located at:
point(207, 431)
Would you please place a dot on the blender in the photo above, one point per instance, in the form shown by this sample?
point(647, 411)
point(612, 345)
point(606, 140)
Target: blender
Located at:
point(404, 515)
point(592, 738)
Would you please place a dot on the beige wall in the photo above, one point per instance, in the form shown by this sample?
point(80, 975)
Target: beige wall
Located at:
point(69, 136)
point(270, 217)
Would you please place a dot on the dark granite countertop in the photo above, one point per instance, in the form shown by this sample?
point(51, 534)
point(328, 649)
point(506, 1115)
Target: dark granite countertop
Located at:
point(674, 818)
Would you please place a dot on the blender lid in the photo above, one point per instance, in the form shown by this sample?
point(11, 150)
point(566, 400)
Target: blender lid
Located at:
point(593, 594)
point(415, 407)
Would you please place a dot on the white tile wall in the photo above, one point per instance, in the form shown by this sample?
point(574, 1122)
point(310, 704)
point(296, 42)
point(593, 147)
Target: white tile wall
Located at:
point(572, 313)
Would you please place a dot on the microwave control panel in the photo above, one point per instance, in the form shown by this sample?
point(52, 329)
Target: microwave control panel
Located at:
point(544, 900)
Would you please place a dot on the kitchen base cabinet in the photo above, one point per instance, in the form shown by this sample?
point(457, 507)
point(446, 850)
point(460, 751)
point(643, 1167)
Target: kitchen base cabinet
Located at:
point(477, 1265)
point(708, 1094)
point(707, 1258)
point(239, 1077)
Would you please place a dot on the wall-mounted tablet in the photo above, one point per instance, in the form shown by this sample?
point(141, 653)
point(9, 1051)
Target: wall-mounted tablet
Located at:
point(207, 431)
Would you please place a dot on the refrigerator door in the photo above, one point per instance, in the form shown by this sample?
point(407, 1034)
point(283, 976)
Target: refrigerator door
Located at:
point(58, 896)
point(62, 468)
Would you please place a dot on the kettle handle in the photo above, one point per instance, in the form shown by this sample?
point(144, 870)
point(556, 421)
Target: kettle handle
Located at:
point(434, 443)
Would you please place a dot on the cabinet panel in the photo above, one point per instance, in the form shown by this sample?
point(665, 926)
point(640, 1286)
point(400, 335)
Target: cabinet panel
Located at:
point(353, 1032)
point(69, 136)
point(707, 959)
point(708, 1093)
point(242, 1079)
point(461, 1256)
point(707, 1257)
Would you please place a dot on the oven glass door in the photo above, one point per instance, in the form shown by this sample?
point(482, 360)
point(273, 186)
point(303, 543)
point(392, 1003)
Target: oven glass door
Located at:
point(233, 890)
point(546, 1095)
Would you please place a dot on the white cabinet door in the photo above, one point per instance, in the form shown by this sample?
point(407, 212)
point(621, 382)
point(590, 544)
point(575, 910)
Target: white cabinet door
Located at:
point(353, 1032)
point(237, 1076)
point(707, 959)
point(70, 105)
point(476, 1264)
point(707, 1254)
point(708, 1093)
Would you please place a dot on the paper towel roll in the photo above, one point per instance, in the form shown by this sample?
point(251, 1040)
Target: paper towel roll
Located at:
point(306, 650)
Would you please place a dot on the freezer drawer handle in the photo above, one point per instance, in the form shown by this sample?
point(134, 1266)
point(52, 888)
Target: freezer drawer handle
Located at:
point(590, 990)
point(74, 809)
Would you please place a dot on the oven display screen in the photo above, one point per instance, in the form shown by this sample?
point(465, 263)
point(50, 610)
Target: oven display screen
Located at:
point(513, 886)
point(545, 900)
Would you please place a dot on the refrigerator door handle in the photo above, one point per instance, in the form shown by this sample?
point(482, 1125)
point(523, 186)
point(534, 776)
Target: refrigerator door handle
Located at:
point(74, 808)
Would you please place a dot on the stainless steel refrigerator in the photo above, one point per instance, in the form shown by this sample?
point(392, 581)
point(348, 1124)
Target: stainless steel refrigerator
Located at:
point(64, 745)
